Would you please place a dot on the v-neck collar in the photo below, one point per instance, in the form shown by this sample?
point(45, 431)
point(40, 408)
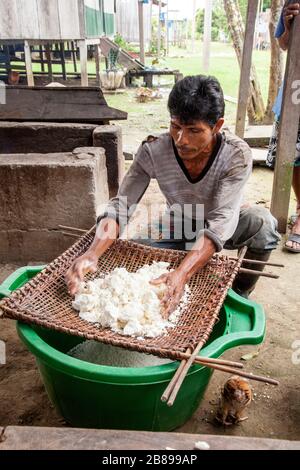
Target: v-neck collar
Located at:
point(206, 168)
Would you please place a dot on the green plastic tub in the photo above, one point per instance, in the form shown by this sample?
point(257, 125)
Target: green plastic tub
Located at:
point(95, 396)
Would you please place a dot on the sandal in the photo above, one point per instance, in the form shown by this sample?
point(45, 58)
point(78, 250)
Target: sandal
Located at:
point(293, 237)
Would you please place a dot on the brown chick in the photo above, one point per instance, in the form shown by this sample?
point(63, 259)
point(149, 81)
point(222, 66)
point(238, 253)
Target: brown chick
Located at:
point(236, 395)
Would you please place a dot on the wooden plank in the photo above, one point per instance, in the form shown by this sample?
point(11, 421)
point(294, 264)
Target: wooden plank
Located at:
point(48, 19)
point(39, 438)
point(29, 23)
point(246, 68)
point(98, 62)
point(81, 16)
point(74, 58)
point(57, 104)
point(69, 19)
point(9, 20)
point(83, 63)
point(63, 61)
point(49, 61)
point(141, 31)
point(28, 64)
point(288, 130)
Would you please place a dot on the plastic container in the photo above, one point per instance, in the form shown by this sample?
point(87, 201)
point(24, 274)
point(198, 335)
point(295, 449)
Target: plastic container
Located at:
point(95, 396)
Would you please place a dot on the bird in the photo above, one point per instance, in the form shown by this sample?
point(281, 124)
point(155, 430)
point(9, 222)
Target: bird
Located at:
point(236, 395)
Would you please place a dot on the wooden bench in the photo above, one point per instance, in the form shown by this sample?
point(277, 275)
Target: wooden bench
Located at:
point(149, 74)
point(40, 438)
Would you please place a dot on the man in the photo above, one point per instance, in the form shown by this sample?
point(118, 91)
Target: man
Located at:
point(195, 165)
point(282, 33)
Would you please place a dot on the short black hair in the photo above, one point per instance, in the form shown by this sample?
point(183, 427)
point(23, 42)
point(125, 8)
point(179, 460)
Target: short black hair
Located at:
point(197, 98)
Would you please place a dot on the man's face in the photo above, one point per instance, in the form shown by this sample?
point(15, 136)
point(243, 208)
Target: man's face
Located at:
point(193, 139)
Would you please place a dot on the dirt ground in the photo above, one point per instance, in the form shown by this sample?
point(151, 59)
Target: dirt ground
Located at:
point(274, 412)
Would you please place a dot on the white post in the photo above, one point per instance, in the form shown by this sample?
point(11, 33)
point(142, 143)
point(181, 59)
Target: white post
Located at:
point(141, 31)
point(98, 61)
point(159, 30)
point(193, 26)
point(167, 29)
point(207, 35)
point(83, 63)
point(28, 64)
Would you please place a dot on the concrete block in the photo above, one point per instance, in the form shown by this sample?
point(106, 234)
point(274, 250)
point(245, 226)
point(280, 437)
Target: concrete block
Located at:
point(39, 192)
point(32, 245)
point(110, 138)
point(34, 137)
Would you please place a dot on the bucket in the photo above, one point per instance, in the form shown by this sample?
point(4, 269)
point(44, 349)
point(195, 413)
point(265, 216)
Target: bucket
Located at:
point(96, 396)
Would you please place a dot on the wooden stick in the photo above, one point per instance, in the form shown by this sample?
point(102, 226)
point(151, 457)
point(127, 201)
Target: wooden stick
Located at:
point(65, 227)
point(241, 373)
point(256, 261)
point(172, 383)
point(258, 273)
point(73, 235)
point(179, 377)
point(211, 360)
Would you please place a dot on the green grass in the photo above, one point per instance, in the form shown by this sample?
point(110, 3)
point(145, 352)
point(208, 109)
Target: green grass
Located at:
point(223, 65)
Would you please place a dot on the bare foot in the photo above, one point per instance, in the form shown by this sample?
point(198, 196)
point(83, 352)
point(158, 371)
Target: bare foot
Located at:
point(295, 230)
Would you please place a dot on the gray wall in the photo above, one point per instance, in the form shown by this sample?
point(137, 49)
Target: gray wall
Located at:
point(41, 19)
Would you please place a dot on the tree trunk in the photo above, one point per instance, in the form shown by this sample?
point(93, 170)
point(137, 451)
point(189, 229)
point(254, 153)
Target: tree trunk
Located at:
point(276, 67)
point(256, 108)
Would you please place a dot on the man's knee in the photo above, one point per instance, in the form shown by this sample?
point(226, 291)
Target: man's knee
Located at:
point(257, 229)
point(266, 237)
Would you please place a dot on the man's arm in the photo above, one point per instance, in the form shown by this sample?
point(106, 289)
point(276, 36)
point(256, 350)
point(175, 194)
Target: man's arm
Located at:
point(195, 260)
point(106, 233)
point(288, 13)
point(132, 189)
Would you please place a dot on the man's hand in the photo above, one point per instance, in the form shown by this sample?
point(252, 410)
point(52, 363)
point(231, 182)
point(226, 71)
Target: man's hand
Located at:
point(289, 12)
point(175, 282)
point(87, 263)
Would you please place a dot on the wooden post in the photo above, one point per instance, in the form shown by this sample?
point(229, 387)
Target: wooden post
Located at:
point(246, 68)
point(207, 35)
point(159, 30)
point(167, 30)
point(42, 58)
point(288, 131)
point(63, 60)
point(28, 64)
point(83, 63)
point(141, 31)
point(49, 62)
point(74, 56)
point(98, 61)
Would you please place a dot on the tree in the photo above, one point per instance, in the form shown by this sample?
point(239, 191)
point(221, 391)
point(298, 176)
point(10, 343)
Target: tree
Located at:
point(219, 21)
point(276, 66)
point(256, 108)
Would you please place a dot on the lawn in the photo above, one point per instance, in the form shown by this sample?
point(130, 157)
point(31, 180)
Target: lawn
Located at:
point(223, 65)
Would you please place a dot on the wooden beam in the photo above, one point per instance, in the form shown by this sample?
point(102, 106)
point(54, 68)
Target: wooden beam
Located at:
point(288, 131)
point(42, 58)
point(98, 62)
point(63, 438)
point(83, 63)
point(49, 62)
point(141, 31)
point(207, 35)
point(28, 64)
point(246, 68)
point(159, 30)
point(63, 60)
point(57, 104)
point(74, 56)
